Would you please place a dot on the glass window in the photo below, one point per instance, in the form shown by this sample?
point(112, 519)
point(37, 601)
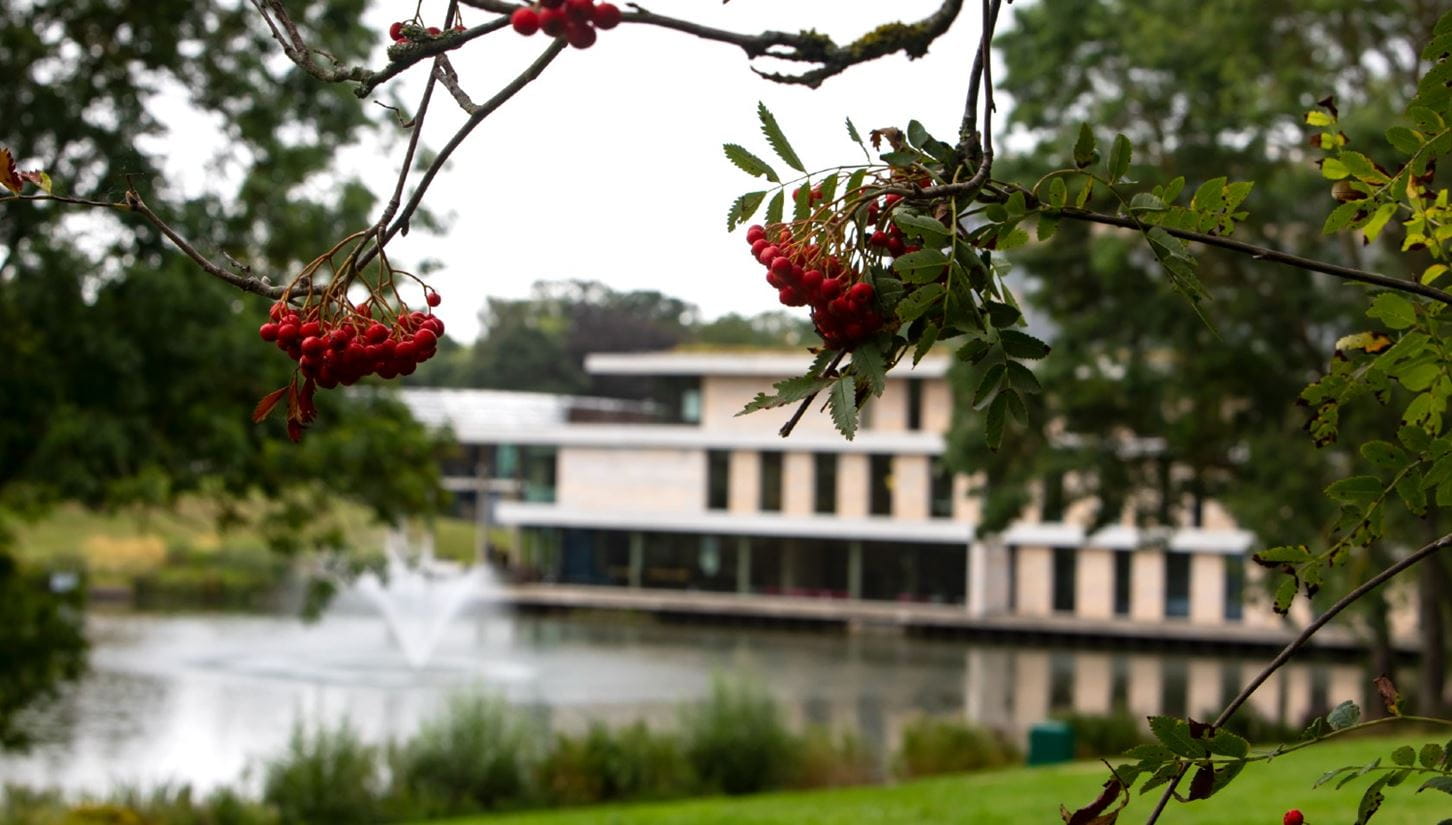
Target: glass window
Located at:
point(1065, 566)
point(914, 404)
point(1175, 685)
point(824, 481)
point(1234, 588)
point(1123, 563)
point(539, 474)
point(718, 479)
point(770, 482)
point(881, 485)
point(691, 405)
point(940, 491)
point(1177, 585)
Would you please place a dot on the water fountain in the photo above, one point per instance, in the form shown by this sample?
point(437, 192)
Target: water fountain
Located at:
point(419, 595)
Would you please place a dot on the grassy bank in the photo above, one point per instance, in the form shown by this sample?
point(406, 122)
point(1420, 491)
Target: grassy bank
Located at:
point(1014, 797)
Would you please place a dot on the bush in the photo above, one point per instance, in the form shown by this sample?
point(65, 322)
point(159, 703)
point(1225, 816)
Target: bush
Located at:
point(174, 805)
point(227, 579)
point(604, 765)
point(471, 758)
point(1105, 734)
point(934, 746)
point(825, 761)
point(736, 741)
point(1257, 727)
point(326, 777)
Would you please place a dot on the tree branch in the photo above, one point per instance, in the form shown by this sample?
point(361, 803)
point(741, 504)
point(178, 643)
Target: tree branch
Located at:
point(404, 56)
point(257, 286)
point(913, 39)
point(1300, 641)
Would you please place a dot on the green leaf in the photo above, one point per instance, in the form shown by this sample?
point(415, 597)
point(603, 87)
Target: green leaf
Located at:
point(917, 135)
point(868, 364)
point(852, 133)
point(749, 163)
point(1144, 202)
point(1415, 439)
point(1437, 783)
point(1284, 554)
point(1342, 216)
point(774, 208)
point(1413, 494)
point(1174, 734)
point(994, 421)
point(889, 292)
point(1285, 594)
point(1318, 118)
point(1022, 345)
point(931, 230)
point(1379, 220)
point(1440, 472)
point(1119, 157)
point(1011, 238)
point(1370, 801)
point(1022, 379)
point(789, 391)
point(842, 403)
point(921, 266)
point(1405, 140)
point(925, 341)
point(1210, 196)
point(902, 159)
point(1016, 407)
point(778, 141)
point(919, 301)
point(1344, 715)
point(1048, 226)
point(743, 208)
point(1406, 756)
point(1384, 454)
point(1333, 169)
point(1361, 167)
point(1001, 314)
point(1173, 189)
point(1058, 192)
point(1085, 153)
point(1430, 755)
point(992, 378)
point(1357, 490)
point(802, 201)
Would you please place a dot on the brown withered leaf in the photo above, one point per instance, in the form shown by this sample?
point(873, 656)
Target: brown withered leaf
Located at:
point(1095, 812)
point(9, 175)
point(37, 177)
point(894, 138)
point(1203, 783)
point(1390, 696)
point(1200, 730)
point(264, 407)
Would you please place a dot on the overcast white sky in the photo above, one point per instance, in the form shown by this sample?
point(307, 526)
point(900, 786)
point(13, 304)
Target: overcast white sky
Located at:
point(609, 167)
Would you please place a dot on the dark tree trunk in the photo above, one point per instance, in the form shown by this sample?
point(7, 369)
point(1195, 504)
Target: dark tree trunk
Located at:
point(1383, 657)
point(1432, 684)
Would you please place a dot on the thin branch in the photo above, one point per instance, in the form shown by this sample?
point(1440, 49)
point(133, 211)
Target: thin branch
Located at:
point(967, 133)
point(983, 64)
point(403, 56)
point(445, 74)
point(257, 286)
point(485, 109)
point(63, 199)
point(791, 424)
point(1300, 641)
point(413, 139)
point(913, 39)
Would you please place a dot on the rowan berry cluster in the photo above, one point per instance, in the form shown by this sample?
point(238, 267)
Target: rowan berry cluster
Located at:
point(339, 344)
point(574, 20)
point(844, 307)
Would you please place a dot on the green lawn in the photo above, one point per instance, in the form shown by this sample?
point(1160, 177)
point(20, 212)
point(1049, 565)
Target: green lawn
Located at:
point(1032, 795)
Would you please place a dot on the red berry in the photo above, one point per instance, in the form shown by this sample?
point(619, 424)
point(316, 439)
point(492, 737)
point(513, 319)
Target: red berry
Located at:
point(580, 35)
point(895, 246)
point(758, 245)
point(433, 299)
point(276, 311)
point(525, 21)
point(580, 9)
point(459, 27)
point(425, 339)
point(314, 346)
point(768, 254)
point(310, 329)
point(811, 280)
point(376, 332)
point(879, 238)
point(268, 332)
point(287, 333)
point(860, 293)
point(405, 351)
point(552, 21)
point(774, 281)
point(395, 32)
point(1293, 817)
point(364, 309)
point(434, 323)
point(755, 232)
point(890, 199)
point(434, 31)
point(781, 267)
point(607, 16)
point(831, 288)
point(790, 296)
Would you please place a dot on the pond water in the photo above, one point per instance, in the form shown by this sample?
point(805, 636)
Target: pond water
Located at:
point(204, 699)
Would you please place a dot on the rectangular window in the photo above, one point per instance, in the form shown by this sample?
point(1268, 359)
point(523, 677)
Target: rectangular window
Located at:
point(1177, 585)
point(1122, 565)
point(1234, 588)
point(824, 482)
point(914, 404)
point(718, 479)
point(880, 469)
point(940, 491)
point(1065, 566)
point(539, 474)
point(770, 482)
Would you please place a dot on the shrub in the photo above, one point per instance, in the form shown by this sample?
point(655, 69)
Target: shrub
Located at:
point(736, 741)
point(825, 761)
point(1105, 734)
point(934, 746)
point(1257, 727)
point(604, 765)
point(473, 757)
point(232, 578)
point(326, 777)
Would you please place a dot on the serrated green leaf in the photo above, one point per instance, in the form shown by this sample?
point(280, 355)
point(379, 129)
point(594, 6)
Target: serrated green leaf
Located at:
point(854, 182)
point(919, 301)
point(931, 230)
point(993, 422)
point(1145, 203)
point(1379, 220)
point(1022, 379)
point(902, 159)
point(1160, 777)
point(868, 364)
point(1370, 801)
point(802, 201)
point(1342, 216)
point(1011, 238)
point(889, 292)
point(852, 133)
point(1174, 734)
point(1437, 783)
point(1384, 454)
point(1002, 314)
point(1430, 755)
point(1284, 554)
point(1084, 147)
point(1119, 157)
point(1406, 756)
point(777, 139)
point(1058, 192)
point(1344, 715)
point(1333, 169)
point(1361, 167)
point(774, 208)
point(842, 404)
point(925, 342)
point(1357, 490)
point(1413, 494)
point(1404, 140)
point(921, 266)
point(743, 208)
point(1022, 345)
point(749, 163)
point(789, 391)
point(1017, 410)
point(1285, 594)
point(1415, 439)
point(988, 385)
point(1210, 196)
point(1329, 775)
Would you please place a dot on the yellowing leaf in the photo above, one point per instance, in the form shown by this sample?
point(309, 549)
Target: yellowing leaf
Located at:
point(1433, 272)
point(9, 177)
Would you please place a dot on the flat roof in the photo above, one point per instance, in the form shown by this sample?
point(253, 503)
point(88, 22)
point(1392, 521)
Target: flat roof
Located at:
point(757, 364)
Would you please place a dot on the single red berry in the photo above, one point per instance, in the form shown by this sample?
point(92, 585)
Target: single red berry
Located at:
point(434, 31)
point(314, 346)
point(434, 323)
point(879, 238)
point(774, 281)
point(1293, 817)
point(310, 329)
point(376, 332)
point(831, 288)
point(433, 299)
point(852, 331)
point(268, 332)
point(860, 293)
point(287, 333)
point(579, 34)
point(395, 32)
point(758, 245)
point(364, 309)
point(405, 351)
point(781, 267)
point(525, 21)
point(890, 199)
point(580, 9)
point(755, 232)
point(768, 254)
point(790, 296)
point(607, 16)
point(895, 246)
point(459, 27)
point(552, 21)
point(276, 311)
point(425, 339)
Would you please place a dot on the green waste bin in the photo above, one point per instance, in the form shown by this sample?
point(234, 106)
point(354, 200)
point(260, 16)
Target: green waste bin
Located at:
point(1050, 742)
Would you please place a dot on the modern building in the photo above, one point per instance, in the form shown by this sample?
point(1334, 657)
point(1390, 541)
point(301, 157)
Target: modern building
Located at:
point(685, 501)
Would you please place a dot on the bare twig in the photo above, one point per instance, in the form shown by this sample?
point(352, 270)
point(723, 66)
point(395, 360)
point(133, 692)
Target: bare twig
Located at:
point(417, 126)
point(257, 286)
point(968, 132)
point(1300, 641)
point(912, 39)
point(445, 74)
